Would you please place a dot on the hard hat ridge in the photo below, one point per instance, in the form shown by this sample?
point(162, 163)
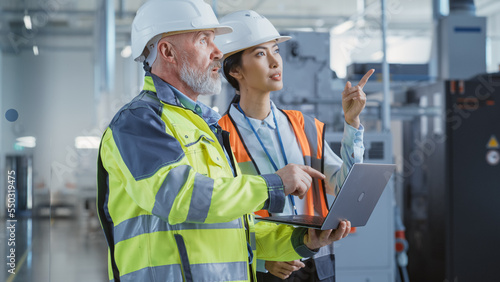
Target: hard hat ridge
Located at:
point(249, 29)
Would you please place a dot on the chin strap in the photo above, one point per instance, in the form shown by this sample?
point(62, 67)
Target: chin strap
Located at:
point(146, 66)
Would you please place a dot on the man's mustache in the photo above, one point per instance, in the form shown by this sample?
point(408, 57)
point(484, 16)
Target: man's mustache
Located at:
point(215, 64)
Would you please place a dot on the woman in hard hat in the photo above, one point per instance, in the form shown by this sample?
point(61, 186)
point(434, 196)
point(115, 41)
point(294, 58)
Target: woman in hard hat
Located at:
point(265, 138)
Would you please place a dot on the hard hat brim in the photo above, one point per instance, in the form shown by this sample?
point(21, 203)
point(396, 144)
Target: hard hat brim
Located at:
point(224, 29)
point(218, 30)
point(278, 39)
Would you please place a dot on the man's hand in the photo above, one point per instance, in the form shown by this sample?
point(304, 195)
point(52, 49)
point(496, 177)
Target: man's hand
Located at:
point(298, 178)
point(283, 269)
point(315, 238)
point(354, 100)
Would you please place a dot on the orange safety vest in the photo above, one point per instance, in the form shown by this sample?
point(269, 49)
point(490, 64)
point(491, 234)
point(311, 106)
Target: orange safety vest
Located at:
point(310, 135)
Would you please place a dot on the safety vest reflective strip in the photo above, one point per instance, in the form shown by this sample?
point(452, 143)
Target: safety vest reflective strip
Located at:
point(310, 135)
point(231, 271)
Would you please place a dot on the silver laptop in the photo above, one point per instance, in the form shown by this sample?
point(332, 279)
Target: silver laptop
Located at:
point(355, 202)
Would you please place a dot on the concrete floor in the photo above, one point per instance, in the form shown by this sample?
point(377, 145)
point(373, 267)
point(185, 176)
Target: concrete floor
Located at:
point(58, 249)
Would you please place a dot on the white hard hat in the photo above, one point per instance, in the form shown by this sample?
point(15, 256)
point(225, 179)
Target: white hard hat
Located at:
point(156, 17)
point(249, 29)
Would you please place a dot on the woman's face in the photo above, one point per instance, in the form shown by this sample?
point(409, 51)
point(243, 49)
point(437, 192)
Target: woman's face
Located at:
point(261, 68)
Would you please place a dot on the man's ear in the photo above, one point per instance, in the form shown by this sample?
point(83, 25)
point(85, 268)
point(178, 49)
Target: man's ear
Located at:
point(166, 51)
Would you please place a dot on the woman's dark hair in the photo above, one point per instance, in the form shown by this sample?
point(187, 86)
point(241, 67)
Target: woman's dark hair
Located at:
point(236, 100)
point(230, 62)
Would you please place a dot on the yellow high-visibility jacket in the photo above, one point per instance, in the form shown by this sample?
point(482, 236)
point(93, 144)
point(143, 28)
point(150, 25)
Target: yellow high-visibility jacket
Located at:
point(169, 203)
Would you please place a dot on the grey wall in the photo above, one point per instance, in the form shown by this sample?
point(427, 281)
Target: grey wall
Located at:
point(54, 94)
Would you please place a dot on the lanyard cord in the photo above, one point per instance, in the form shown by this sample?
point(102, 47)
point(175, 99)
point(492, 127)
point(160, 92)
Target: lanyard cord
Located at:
point(292, 200)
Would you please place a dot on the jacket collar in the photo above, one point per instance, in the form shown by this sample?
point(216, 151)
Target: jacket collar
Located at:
point(239, 118)
point(162, 89)
point(171, 95)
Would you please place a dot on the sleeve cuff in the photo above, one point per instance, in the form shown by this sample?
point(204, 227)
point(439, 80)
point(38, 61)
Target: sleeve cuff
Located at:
point(298, 243)
point(353, 135)
point(261, 266)
point(276, 201)
point(352, 140)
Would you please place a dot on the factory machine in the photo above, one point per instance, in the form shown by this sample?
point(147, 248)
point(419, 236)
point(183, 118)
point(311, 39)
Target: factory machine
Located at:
point(452, 181)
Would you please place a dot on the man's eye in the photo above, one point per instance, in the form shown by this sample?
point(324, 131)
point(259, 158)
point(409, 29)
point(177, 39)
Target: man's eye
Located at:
point(203, 41)
point(277, 50)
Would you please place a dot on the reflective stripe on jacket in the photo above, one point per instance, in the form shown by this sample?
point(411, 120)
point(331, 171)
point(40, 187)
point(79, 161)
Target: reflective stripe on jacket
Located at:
point(168, 201)
point(310, 136)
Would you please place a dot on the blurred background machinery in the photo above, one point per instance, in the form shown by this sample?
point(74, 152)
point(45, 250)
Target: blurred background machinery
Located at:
point(452, 181)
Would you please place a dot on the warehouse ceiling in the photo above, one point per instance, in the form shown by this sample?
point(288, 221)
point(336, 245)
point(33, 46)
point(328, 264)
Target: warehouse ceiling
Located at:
point(70, 24)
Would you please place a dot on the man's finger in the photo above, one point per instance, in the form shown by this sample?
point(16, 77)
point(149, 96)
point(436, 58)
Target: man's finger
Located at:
point(325, 234)
point(284, 276)
point(348, 229)
point(300, 189)
point(312, 172)
point(287, 268)
point(296, 263)
point(365, 78)
point(300, 192)
point(341, 229)
point(306, 179)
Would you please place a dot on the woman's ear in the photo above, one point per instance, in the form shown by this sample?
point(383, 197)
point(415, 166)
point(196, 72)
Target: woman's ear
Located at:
point(235, 72)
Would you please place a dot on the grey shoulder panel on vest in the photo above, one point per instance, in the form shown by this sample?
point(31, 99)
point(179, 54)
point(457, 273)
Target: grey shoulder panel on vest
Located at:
point(139, 134)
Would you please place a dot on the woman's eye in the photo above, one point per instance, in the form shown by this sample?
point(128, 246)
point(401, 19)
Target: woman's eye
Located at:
point(277, 50)
point(260, 54)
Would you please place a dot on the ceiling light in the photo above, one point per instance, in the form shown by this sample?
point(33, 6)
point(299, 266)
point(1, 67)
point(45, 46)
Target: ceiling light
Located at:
point(87, 142)
point(126, 51)
point(343, 27)
point(379, 55)
point(319, 23)
point(35, 50)
point(27, 21)
point(26, 141)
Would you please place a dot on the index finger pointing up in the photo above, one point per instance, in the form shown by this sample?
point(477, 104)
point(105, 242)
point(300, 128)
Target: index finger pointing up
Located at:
point(365, 78)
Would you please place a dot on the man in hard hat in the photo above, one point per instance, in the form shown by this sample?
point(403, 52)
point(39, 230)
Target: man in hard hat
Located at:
point(171, 199)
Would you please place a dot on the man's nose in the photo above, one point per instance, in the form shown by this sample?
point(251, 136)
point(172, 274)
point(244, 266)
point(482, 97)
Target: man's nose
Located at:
point(216, 53)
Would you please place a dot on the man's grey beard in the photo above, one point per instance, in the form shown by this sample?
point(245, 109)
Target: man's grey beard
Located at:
point(200, 81)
